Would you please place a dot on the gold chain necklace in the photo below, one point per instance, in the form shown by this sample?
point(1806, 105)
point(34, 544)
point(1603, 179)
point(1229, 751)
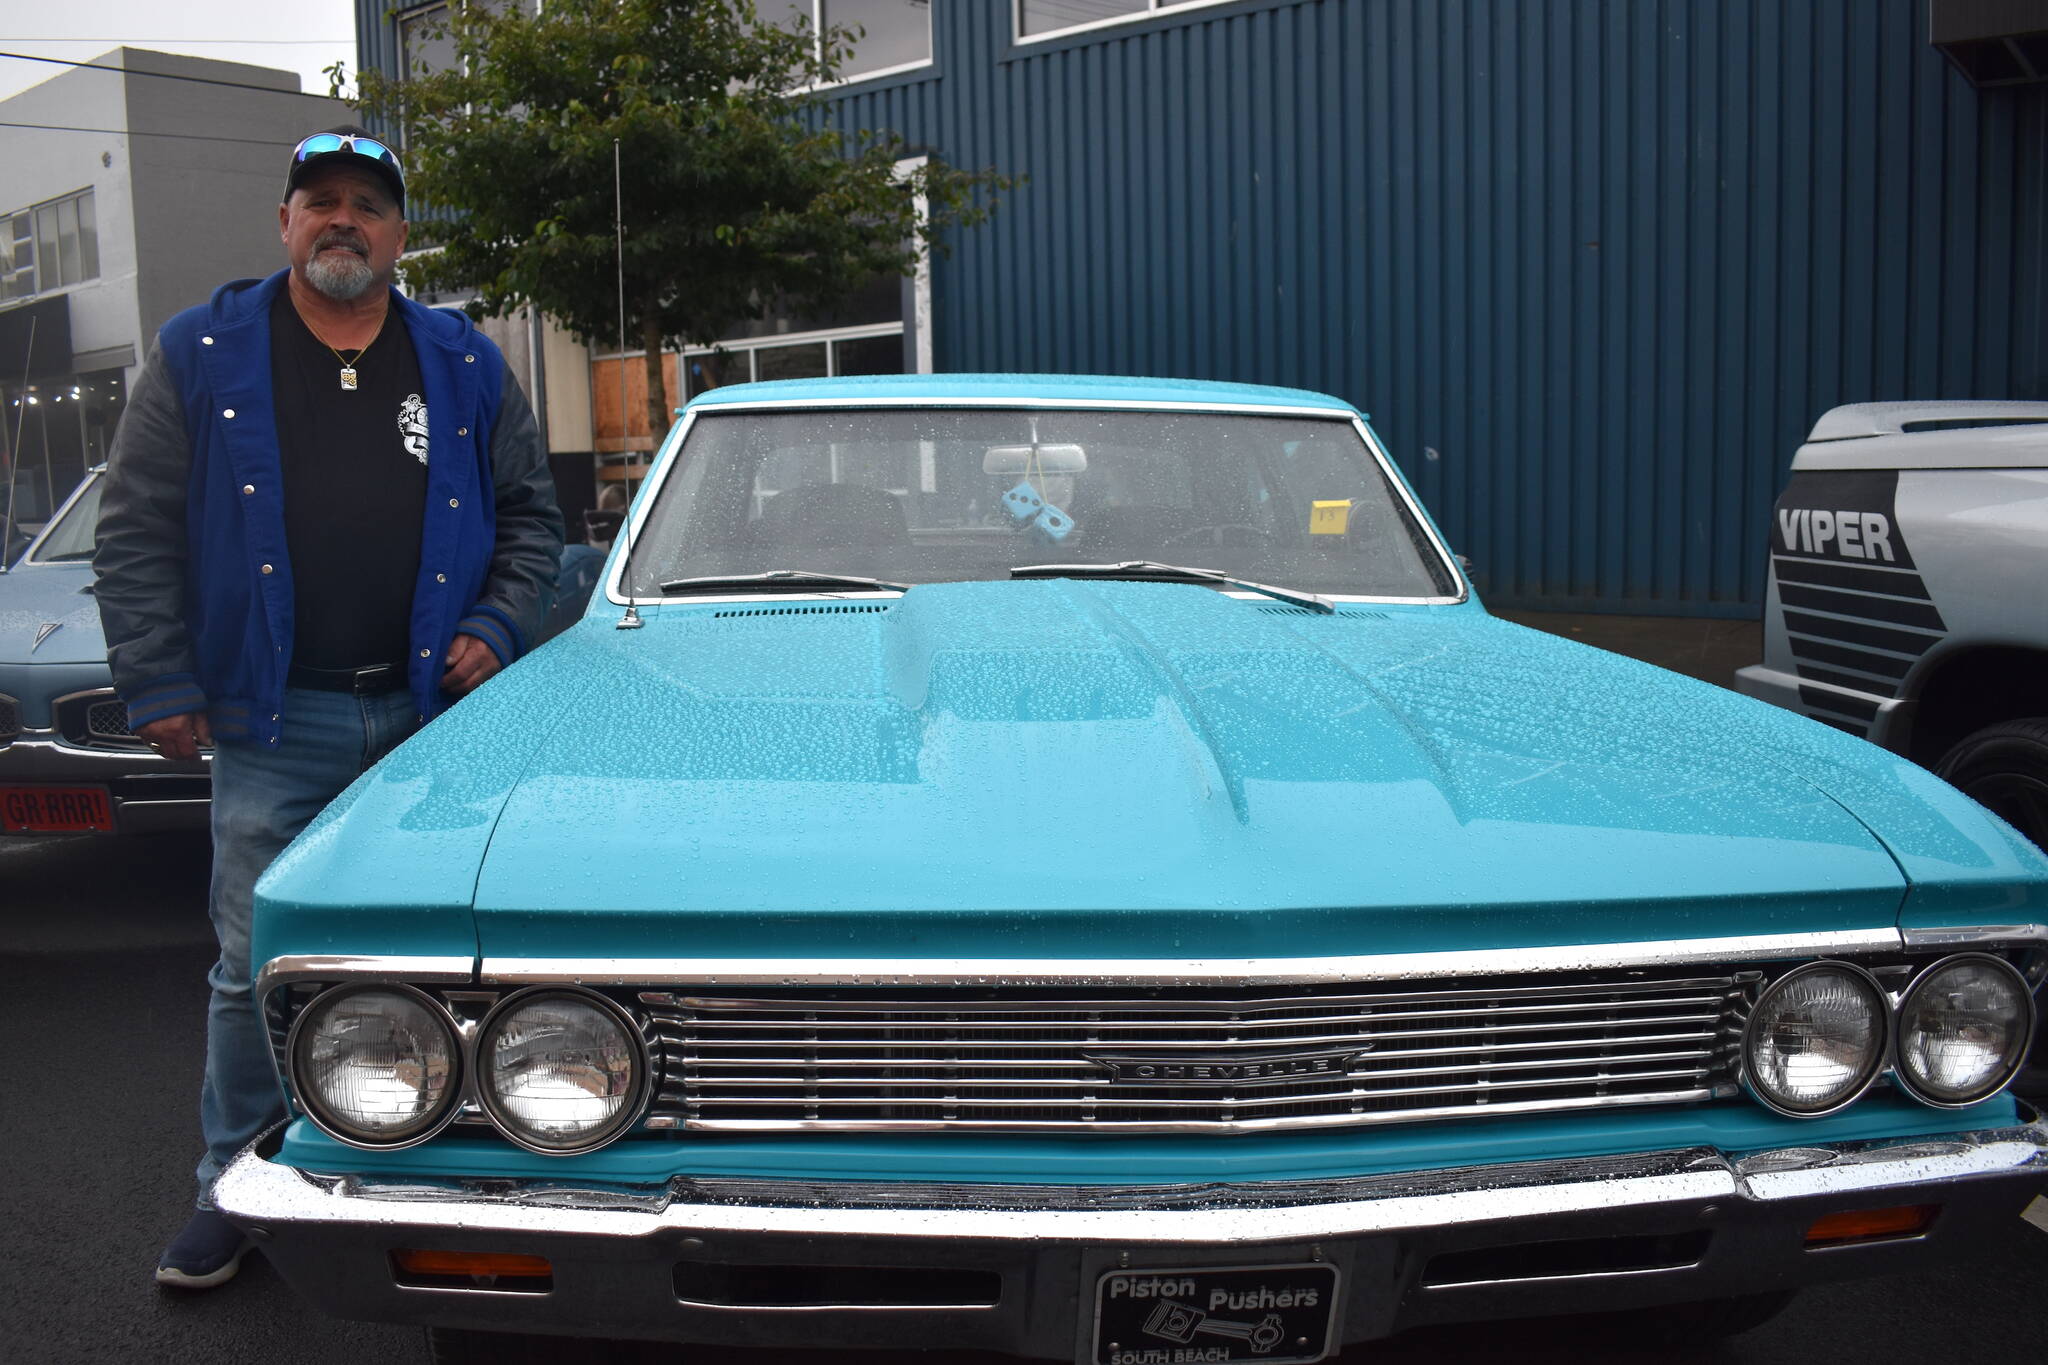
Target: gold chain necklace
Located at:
point(348, 363)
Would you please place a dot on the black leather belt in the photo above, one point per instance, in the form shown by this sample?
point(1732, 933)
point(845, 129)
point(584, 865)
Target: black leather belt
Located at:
point(376, 678)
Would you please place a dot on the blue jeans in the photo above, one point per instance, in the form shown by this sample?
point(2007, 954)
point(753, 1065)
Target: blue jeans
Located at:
point(263, 795)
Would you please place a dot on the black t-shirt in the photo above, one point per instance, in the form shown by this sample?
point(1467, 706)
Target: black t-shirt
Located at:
point(355, 489)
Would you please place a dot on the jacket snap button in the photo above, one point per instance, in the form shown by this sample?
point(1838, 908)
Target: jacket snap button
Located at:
point(454, 502)
point(426, 653)
point(227, 412)
point(248, 488)
point(462, 431)
point(440, 578)
point(469, 360)
point(206, 341)
point(266, 568)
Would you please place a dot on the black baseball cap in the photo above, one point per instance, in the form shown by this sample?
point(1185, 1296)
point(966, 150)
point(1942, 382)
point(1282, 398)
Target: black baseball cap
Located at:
point(351, 146)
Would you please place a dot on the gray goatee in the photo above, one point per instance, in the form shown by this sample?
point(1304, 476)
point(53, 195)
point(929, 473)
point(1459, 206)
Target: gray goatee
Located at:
point(340, 275)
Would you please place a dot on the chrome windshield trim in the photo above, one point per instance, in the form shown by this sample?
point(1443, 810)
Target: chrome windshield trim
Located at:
point(282, 971)
point(1255, 971)
point(664, 462)
point(1338, 413)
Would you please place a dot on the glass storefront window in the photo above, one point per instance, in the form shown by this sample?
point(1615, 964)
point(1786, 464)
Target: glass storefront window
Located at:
point(869, 355)
point(806, 361)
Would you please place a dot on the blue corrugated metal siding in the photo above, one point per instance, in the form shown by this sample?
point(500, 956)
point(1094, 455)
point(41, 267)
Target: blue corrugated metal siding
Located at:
point(1610, 260)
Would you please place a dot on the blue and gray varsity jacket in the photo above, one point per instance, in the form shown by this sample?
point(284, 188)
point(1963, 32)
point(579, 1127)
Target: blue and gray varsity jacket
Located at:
point(195, 582)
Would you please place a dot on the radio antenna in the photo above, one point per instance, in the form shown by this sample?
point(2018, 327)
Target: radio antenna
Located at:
point(14, 451)
point(631, 620)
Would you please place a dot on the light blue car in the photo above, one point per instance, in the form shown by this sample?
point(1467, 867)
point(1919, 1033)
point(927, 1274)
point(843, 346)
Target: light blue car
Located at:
point(1067, 867)
point(68, 764)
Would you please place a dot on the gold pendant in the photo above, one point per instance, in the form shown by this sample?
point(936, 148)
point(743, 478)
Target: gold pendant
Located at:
point(348, 378)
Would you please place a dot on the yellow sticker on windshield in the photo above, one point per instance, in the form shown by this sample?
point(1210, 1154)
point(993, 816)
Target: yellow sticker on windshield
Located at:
point(1330, 518)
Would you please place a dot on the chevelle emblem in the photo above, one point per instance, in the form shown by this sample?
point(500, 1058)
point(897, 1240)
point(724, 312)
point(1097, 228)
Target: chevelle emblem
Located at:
point(43, 632)
point(1245, 1066)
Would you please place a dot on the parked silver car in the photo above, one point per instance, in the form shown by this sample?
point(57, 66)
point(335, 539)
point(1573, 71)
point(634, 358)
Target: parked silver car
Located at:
point(1909, 563)
point(68, 764)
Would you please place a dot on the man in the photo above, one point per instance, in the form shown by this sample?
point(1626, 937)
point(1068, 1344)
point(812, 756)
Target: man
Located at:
point(327, 515)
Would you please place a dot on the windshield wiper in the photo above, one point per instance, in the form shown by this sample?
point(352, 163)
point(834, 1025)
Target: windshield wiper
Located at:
point(795, 579)
point(1152, 571)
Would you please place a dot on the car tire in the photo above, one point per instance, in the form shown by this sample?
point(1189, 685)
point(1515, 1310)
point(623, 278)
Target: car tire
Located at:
point(2005, 769)
point(459, 1346)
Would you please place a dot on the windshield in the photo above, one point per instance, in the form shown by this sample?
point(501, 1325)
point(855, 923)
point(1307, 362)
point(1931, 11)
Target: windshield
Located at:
point(70, 536)
point(941, 495)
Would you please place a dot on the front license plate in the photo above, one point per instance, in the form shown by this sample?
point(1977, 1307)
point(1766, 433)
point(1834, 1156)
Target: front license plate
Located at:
point(1275, 1314)
point(56, 810)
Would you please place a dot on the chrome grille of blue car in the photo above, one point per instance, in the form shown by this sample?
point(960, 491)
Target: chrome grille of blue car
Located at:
point(1189, 1061)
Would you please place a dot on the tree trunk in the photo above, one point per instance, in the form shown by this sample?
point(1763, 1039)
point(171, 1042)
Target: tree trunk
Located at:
point(658, 416)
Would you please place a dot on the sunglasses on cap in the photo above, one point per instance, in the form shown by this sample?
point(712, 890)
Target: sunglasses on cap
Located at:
point(322, 143)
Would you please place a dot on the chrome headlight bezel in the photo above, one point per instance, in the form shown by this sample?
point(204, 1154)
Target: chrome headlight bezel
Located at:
point(629, 1113)
point(1880, 1059)
point(312, 1104)
point(2024, 1033)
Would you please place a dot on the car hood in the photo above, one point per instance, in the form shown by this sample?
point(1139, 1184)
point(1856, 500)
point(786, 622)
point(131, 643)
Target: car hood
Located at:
point(1064, 768)
point(34, 596)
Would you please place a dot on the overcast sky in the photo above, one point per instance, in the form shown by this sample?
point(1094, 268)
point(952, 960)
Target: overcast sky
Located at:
point(295, 35)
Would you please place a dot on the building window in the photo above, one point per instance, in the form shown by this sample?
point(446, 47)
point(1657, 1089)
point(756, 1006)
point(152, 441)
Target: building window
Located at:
point(424, 43)
point(49, 246)
point(894, 35)
point(18, 263)
point(872, 350)
point(1050, 18)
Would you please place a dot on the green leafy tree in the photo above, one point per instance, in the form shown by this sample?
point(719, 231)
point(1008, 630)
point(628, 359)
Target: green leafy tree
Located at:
point(738, 194)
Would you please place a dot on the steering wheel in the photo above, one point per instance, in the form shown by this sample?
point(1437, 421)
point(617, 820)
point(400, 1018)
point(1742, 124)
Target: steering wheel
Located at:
point(1234, 534)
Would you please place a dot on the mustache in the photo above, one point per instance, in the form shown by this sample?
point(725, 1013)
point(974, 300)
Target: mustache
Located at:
point(346, 241)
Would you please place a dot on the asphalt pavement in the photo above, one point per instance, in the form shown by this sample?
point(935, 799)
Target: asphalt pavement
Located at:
point(104, 947)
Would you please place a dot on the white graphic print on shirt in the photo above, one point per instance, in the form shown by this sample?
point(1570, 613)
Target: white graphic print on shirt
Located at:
point(412, 426)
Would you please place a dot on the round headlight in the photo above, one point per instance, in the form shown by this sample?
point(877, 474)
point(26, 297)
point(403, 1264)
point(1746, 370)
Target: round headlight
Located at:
point(1816, 1039)
point(1963, 1030)
point(375, 1065)
point(559, 1071)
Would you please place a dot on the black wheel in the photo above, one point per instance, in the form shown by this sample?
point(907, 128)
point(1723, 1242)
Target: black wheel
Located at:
point(2005, 768)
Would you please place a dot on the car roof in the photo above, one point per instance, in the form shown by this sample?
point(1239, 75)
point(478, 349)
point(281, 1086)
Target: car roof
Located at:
point(912, 388)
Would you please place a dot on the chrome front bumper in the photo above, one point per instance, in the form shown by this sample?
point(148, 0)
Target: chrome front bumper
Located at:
point(150, 794)
point(624, 1257)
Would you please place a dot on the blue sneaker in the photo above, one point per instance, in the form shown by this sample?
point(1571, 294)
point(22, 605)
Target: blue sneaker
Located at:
point(208, 1251)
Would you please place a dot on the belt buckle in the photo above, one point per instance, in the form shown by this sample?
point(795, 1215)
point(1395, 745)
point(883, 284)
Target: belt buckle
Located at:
point(376, 679)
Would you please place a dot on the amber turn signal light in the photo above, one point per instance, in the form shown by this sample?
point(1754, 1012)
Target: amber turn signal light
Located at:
point(498, 1265)
point(1871, 1225)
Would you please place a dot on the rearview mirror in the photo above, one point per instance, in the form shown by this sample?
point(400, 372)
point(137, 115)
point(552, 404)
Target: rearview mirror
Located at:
point(1068, 459)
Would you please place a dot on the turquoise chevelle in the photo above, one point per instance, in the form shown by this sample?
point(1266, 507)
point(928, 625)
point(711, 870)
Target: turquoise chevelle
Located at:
point(1067, 867)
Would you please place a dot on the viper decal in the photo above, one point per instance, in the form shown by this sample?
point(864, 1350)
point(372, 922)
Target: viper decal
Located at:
point(1856, 613)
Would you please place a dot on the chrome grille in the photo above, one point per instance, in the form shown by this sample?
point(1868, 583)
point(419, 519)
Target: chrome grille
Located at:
point(1012, 1060)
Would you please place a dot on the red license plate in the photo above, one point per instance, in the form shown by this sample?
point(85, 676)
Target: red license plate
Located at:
point(56, 810)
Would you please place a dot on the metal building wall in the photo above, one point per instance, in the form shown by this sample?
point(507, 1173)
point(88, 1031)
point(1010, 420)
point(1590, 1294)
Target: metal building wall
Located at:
point(1594, 265)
